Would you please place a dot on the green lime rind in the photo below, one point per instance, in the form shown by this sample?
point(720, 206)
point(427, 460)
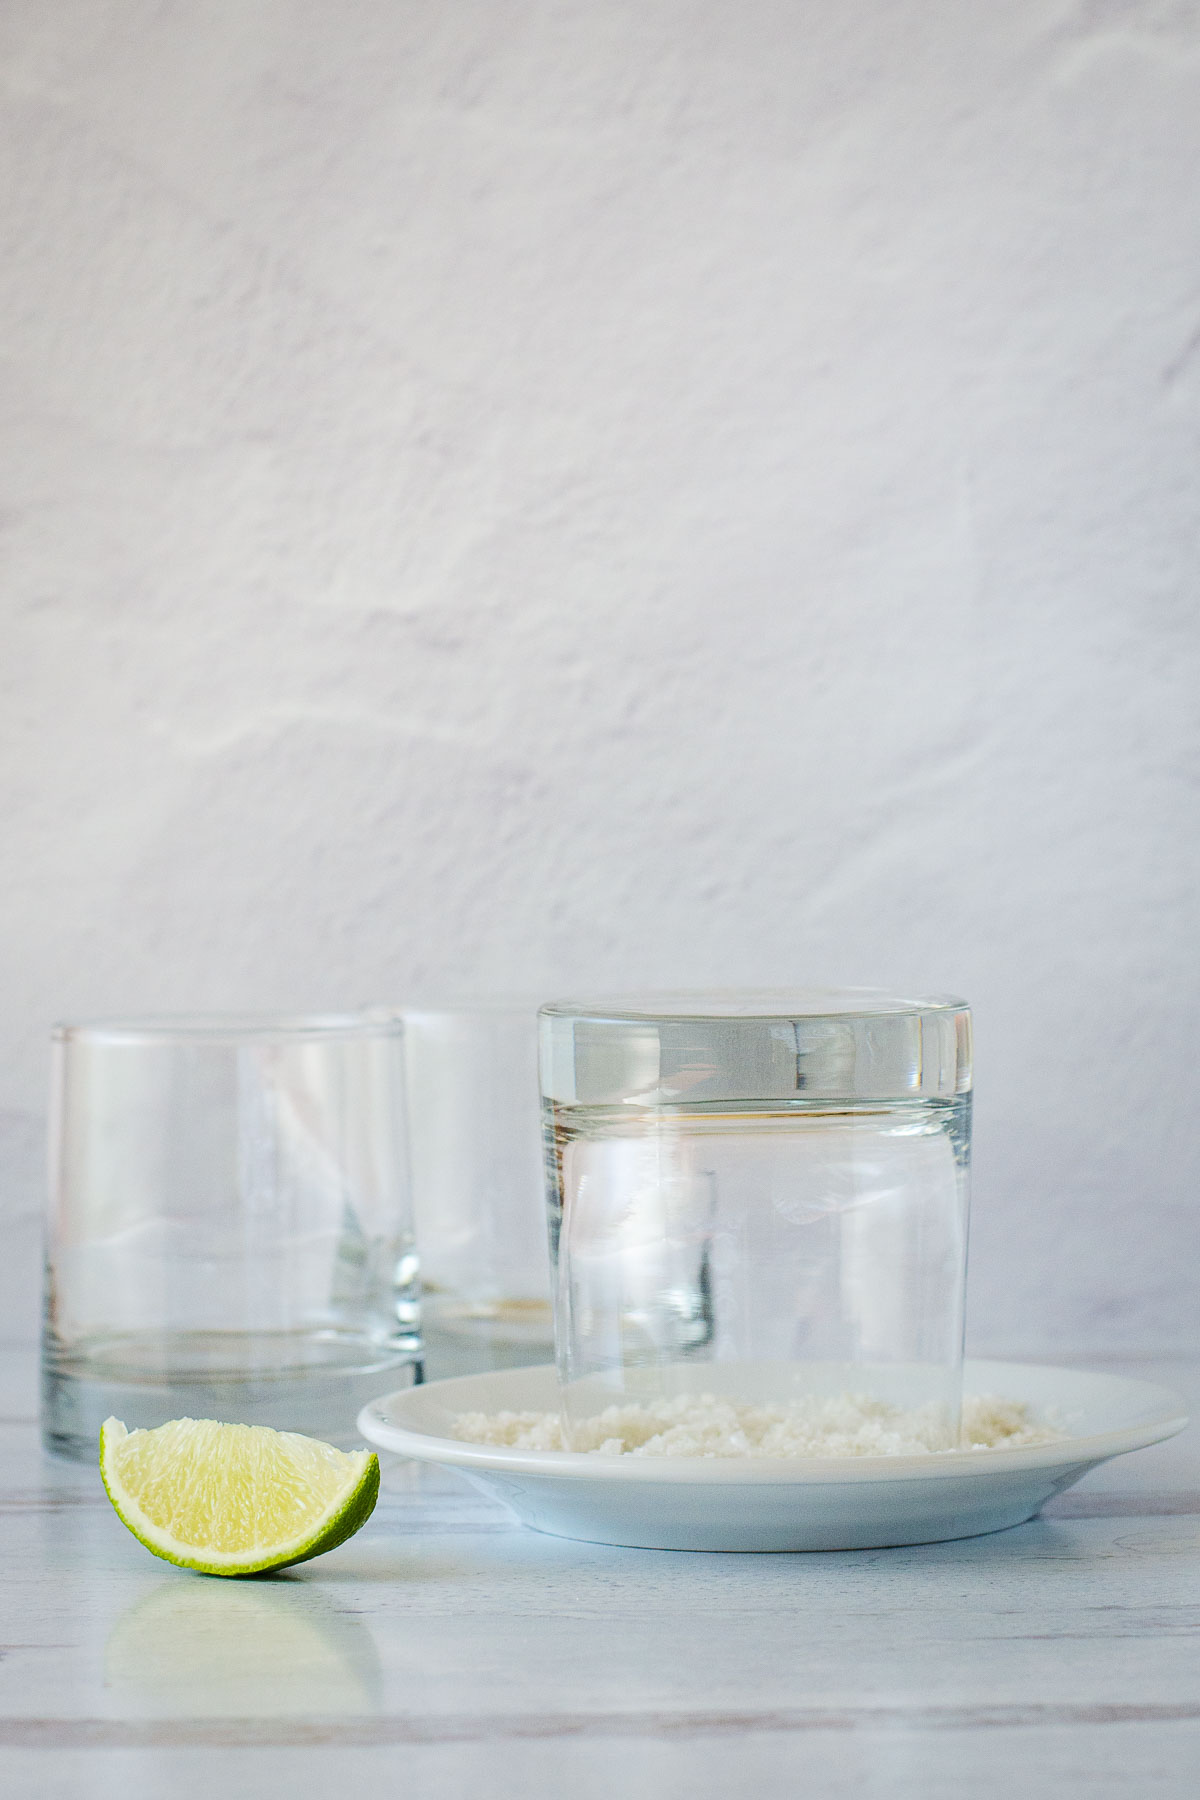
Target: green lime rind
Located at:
point(351, 1514)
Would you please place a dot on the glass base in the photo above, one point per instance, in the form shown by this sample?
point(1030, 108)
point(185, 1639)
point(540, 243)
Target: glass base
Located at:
point(311, 1382)
point(465, 1337)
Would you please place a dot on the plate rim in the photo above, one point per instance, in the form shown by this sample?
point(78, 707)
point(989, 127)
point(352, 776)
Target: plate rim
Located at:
point(699, 1471)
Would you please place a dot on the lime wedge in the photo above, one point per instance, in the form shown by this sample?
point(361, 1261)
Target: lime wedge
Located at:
point(235, 1499)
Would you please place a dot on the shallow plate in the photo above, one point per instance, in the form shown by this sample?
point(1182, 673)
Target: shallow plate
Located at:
point(844, 1503)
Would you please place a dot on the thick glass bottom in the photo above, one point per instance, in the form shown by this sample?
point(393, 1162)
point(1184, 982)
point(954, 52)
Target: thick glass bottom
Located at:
point(468, 1337)
point(312, 1382)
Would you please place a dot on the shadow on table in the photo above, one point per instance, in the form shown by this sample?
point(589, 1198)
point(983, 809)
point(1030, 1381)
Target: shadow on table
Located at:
point(232, 1649)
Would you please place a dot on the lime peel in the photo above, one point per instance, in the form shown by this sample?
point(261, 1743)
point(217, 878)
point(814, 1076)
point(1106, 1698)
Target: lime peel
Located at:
point(235, 1499)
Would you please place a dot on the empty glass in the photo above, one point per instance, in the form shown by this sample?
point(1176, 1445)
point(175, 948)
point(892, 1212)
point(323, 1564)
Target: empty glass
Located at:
point(761, 1196)
point(478, 1185)
point(229, 1231)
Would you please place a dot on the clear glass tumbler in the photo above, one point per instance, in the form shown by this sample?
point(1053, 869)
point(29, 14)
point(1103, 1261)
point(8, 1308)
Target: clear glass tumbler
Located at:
point(478, 1188)
point(229, 1228)
point(759, 1196)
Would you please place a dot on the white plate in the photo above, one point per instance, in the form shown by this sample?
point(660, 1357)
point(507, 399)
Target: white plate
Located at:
point(847, 1503)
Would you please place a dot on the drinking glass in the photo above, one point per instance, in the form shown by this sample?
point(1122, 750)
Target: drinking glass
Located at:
point(759, 1196)
point(229, 1226)
point(479, 1185)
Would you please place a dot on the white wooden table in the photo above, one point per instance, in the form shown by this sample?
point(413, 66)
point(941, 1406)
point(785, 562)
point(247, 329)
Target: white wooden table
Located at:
point(447, 1651)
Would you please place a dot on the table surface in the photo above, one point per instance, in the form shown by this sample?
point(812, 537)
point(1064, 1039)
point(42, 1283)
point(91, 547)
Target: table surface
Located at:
point(449, 1649)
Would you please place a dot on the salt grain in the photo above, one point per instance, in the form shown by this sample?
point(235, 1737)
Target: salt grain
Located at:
point(812, 1425)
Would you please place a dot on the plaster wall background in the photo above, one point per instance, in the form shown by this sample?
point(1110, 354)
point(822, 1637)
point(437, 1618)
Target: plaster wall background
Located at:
point(582, 495)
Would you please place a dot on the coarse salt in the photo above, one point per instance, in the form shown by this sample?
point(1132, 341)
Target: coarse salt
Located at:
point(810, 1425)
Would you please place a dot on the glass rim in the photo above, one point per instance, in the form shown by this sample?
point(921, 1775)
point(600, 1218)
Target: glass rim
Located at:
point(485, 1006)
point(748, 1005)
point(229, 1027)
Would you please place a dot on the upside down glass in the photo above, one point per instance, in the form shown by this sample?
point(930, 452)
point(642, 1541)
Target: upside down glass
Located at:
point(759, 1196)
point(229, 1232)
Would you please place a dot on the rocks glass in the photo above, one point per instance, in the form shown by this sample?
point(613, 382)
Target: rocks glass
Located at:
point(229, 1232)
point(478, 1186)
point(761, 1196)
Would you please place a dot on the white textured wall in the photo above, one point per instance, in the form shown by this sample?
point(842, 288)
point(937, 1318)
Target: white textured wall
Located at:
point(622, 491)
